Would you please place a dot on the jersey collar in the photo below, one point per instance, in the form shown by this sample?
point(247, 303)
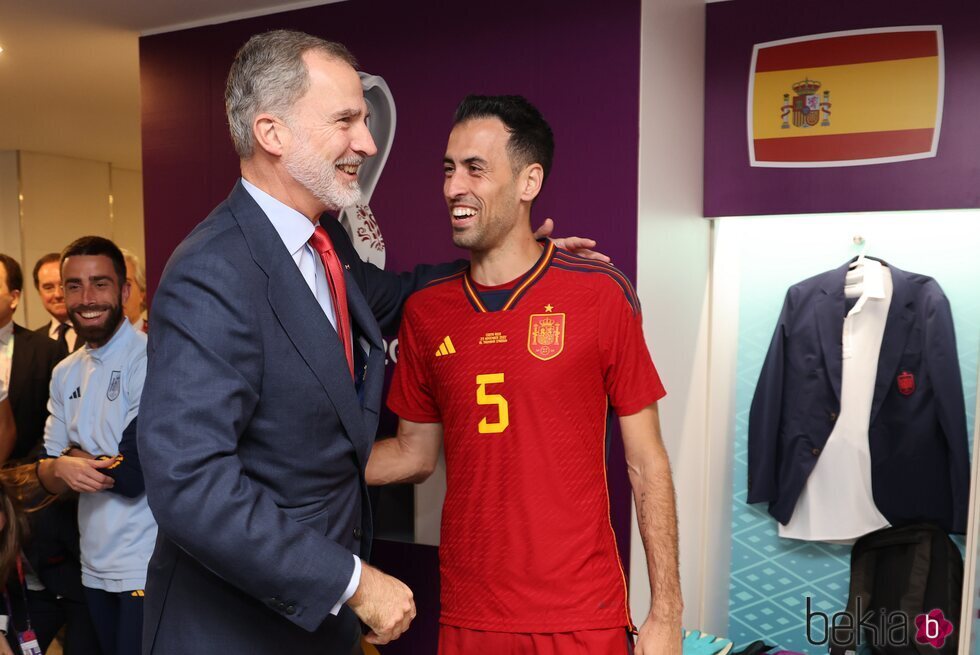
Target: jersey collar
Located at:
point(520, 288)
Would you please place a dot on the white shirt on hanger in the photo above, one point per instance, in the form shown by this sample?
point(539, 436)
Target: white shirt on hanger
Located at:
point(837, 504)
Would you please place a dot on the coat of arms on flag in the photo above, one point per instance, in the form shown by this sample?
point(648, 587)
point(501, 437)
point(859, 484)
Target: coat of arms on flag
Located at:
point(888, 95)
point(807, 108)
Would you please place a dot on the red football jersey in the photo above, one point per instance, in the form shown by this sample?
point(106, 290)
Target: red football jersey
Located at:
point(523, 395)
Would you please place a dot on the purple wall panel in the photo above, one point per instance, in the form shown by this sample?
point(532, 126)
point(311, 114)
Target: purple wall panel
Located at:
point(579, 68)
point(733, 188)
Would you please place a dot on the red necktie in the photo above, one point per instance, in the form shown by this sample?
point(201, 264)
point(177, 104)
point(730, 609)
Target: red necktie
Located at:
point(338, 289)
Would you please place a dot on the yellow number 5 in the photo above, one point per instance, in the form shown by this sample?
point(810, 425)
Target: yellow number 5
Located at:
point(484, 398)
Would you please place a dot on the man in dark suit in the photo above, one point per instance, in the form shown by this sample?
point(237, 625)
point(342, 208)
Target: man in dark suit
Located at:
point(264, 382)
point(30, 363)
point(47, 281)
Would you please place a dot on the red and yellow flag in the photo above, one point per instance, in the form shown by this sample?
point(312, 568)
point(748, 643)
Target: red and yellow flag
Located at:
point(846, 98)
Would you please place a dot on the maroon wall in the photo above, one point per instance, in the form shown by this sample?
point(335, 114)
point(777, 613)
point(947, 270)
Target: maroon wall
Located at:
point(580, 67)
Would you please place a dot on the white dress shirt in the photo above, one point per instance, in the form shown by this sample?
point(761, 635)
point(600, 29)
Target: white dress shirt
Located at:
point(837, 504)
point(295, 231)
point(70, 335)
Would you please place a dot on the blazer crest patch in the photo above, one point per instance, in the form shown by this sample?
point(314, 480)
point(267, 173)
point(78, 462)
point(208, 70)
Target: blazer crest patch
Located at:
point(906, 383)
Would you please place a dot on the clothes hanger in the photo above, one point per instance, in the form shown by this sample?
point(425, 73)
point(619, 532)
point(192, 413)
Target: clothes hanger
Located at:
point(859, 240)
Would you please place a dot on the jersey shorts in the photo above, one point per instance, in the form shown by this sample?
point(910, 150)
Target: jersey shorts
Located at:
point(606, 641)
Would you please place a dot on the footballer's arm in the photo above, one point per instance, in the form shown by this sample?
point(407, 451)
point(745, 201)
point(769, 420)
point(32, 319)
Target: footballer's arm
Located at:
point(410, 456)
point(653, 493)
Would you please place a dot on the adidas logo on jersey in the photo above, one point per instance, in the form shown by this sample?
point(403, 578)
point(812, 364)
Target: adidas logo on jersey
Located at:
point(446, 348)
point(76, 394)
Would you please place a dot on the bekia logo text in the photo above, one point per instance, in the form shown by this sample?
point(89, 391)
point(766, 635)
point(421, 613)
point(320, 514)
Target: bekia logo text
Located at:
point(877, 628)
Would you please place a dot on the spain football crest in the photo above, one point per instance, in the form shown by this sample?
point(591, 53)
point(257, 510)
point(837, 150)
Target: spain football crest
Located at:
point(546, 335)
point(114, 384)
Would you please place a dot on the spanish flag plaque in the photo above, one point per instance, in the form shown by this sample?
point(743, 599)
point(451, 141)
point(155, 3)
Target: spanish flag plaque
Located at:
point(846, 98)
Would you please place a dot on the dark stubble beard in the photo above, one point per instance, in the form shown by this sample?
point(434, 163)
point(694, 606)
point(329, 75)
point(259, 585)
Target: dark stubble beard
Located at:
point(97, 335)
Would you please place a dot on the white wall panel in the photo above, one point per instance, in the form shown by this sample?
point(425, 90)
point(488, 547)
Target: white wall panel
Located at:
point(63, 198)
point(127, 211)
point(672, 274)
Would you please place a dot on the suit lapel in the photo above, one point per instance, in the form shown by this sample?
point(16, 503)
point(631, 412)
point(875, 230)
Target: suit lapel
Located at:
point(360, 313)
point(364, 324)
point(897, 327)
point(300, 315)
point(20, 364)
point(830, 325)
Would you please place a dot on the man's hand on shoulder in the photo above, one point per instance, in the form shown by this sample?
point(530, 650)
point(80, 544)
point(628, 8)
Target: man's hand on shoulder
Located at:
point(580, 246)
point(82, 474)
point(385, 604)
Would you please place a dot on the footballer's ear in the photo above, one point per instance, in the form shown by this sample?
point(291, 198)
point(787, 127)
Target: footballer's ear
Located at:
point(532, 177)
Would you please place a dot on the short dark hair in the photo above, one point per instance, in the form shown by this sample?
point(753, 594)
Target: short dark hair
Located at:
point(47, 259)
point(531, 140)
point(15, 278)
point(97, 246)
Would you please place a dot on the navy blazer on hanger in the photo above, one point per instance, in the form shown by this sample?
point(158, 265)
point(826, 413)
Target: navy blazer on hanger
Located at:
point(920, 465)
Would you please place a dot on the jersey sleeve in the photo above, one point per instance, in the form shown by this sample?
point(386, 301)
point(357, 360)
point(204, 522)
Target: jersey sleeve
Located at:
point(631, 379)
point(411, 396)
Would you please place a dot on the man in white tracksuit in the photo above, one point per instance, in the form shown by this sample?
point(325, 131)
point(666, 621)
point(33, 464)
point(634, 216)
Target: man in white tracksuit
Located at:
point(89, 440)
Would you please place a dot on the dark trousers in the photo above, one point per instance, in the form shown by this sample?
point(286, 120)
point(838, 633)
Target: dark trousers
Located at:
point(49, 612)
point(118, 620)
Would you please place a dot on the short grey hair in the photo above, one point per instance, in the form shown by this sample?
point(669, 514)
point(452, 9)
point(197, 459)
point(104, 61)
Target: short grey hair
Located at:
point(139, 271)
point(269, 75)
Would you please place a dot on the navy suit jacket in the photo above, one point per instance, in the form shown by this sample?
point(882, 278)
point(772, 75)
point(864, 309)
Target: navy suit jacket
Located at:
point(253, 441)
point(920, 465)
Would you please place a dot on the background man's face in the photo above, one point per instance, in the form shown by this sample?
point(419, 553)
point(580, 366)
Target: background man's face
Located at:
point(329, 137)
point(134, 306)
point(94, 295)
point(49, 288)
point(480, 186)
point(8, 298)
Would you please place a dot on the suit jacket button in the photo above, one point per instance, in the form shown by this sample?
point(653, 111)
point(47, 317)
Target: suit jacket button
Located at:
point(357, 533)
point(815, 452)
point(290, 609)
point(833, 416)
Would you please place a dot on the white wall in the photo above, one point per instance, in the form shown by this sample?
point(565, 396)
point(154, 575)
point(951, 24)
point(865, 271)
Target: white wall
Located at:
point(9, 205)
point(673, 284)
point(46, 201)
point(127, 210)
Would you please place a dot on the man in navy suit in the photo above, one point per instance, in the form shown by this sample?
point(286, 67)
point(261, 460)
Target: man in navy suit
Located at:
point(258, 416)
point(264, 381)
